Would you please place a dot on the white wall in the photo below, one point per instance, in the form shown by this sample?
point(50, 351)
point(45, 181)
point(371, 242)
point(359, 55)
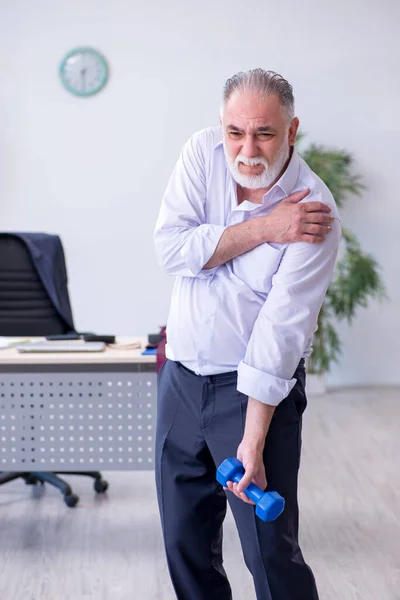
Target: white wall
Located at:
point(94, 170)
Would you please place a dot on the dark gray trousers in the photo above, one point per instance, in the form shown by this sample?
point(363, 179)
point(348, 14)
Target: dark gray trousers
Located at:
point(200, 423)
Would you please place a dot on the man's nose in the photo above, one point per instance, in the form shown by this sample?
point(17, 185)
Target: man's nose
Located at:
point(249, 148)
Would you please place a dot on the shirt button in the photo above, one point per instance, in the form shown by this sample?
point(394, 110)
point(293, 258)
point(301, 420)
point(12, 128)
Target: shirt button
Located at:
point(202, 363)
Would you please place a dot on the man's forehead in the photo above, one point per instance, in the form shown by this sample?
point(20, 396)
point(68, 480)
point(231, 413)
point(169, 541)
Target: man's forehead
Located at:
point(249, 111)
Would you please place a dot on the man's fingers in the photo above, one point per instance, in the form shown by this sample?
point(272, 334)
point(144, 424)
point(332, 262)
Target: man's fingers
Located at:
point(246, 480)
point(241, 495)
point(297, 196)
point(316, 207)
point(317, 217)
point(232, 487)
point(317, 229)
point(312, 239)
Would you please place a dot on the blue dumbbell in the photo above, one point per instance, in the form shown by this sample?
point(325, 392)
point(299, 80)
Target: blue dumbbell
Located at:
point(269, 505)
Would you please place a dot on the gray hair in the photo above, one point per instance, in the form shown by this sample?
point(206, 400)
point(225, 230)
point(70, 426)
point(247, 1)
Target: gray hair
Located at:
point(263, 83)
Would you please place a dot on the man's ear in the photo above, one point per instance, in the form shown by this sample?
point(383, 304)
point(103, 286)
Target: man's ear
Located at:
point(221, 113)
point(294, 125)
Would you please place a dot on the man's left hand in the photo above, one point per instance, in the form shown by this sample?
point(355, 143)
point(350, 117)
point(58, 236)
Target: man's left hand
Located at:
point(252, 459)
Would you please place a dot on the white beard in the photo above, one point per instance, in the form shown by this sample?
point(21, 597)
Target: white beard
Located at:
point(266, 178)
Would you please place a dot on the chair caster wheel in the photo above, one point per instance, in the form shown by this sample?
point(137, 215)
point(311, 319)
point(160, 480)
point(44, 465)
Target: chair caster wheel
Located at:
point(71, 500)
point(100, 486)
point(31, 480)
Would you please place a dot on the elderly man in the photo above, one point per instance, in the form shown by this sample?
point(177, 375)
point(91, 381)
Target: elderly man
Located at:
point(251, 235)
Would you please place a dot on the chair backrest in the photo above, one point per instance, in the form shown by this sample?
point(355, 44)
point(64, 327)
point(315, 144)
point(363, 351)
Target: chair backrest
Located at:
point(25, 306)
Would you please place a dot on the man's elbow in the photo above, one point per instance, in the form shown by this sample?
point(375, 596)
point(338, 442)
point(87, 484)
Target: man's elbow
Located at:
point(164, 261)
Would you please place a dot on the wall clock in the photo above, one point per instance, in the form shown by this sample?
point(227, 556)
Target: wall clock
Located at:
point(84, 72)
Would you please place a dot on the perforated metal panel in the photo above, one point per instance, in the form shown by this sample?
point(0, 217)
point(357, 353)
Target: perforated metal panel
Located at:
point(77, 421)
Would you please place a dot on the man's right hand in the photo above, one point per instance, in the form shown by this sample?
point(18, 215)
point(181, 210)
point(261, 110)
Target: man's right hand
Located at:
point(292, 221)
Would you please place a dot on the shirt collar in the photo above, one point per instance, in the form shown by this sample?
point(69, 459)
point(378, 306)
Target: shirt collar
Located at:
point(288, 179)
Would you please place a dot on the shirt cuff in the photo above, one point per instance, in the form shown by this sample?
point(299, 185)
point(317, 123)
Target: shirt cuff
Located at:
point(262, 386)
point(200, 247)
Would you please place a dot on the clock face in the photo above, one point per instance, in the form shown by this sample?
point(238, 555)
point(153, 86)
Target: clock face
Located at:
point(84, 72)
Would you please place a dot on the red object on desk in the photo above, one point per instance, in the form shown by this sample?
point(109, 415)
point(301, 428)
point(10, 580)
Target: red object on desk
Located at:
point(161, 358)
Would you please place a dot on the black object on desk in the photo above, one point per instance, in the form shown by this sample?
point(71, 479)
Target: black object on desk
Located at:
point(63, 337)
point(86, 337)
point(107, 339)
point(155, 338)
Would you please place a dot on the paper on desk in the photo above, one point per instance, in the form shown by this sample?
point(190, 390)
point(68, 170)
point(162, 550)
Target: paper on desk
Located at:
point(6, 342)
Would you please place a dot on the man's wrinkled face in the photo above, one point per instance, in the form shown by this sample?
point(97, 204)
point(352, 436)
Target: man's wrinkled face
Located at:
point(257, 138)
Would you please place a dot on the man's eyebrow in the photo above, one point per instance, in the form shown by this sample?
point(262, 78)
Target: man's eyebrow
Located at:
point(235, 128)
point(266, 129)
point(262, 129)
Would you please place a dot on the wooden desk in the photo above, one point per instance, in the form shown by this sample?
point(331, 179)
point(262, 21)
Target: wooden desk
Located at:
point(77, 411)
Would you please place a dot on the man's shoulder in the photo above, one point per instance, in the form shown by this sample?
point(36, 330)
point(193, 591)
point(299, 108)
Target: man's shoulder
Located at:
point(203, 147)
point(207, 139)
point(319, 191)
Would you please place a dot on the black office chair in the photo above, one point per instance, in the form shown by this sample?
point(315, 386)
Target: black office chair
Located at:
point(26, 309)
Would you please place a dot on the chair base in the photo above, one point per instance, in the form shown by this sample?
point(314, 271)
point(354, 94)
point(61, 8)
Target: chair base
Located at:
point(70, 499)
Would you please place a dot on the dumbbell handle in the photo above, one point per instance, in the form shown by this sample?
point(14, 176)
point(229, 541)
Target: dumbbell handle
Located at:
point(252, 491)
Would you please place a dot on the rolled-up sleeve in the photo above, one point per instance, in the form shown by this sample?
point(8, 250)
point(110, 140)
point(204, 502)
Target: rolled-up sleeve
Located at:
point(288, 319)
point(184, 242)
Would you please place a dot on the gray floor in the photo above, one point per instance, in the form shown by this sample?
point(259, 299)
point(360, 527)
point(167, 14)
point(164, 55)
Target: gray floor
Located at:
point(109, 548)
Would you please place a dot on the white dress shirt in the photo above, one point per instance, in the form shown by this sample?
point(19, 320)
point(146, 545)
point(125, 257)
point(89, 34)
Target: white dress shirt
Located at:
point(258, 312)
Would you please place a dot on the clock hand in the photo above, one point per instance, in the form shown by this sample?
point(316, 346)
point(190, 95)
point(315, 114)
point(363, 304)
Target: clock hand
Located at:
point(83, 76)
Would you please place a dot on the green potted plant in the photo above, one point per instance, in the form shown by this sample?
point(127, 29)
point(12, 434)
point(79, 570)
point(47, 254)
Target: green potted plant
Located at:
point(357, 275)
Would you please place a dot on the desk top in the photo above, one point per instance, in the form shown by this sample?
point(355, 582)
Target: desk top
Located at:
point(120, 353)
